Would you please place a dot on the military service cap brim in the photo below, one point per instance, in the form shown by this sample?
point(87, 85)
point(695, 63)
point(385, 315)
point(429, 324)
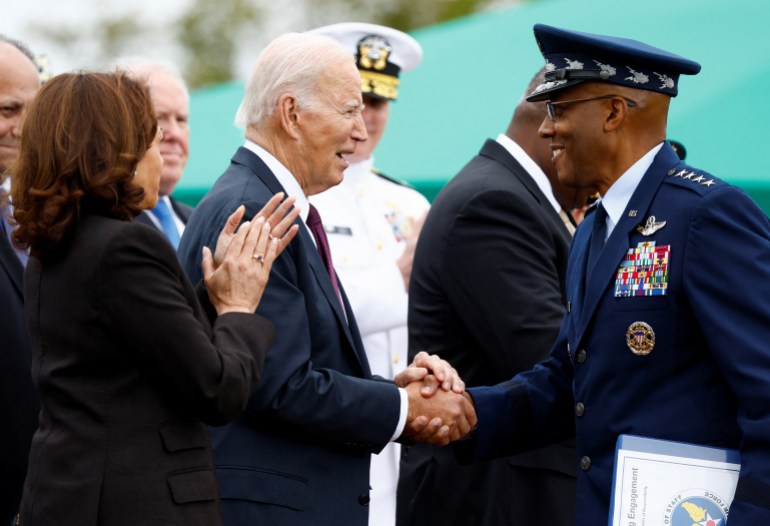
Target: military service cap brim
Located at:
point(572, 57)
point(381, 52)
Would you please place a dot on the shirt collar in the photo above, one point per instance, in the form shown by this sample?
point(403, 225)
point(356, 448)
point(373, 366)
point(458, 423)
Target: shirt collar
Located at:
point(284, 176)
point(358, 172)
point(619, 194)
point(531, 167)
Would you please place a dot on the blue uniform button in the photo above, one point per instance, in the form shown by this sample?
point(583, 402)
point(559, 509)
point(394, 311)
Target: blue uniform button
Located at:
point(581, 356)
point(585, 463)
point(580, 409)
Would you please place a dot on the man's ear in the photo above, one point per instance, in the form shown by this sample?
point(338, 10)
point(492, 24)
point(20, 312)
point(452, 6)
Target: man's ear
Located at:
point(618, 113)
point(289, 113)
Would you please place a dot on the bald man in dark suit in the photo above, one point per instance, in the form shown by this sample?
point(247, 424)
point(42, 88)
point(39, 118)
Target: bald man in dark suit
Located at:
point(487, 294)
point(19, 405)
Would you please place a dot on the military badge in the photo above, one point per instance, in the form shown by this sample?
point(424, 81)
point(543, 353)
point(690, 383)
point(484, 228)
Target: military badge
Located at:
point(640, 338)
point(695, 507)
point(643, 271)
point(650, 227)
point(373, 52)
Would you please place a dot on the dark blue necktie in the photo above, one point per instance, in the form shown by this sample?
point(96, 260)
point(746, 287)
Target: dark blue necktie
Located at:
point(598, 234)
point(167, 223)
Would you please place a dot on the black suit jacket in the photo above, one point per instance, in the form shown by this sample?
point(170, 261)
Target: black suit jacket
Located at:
point(19, 406)
point(129, 367)
point(299, 455)
point(487, 295)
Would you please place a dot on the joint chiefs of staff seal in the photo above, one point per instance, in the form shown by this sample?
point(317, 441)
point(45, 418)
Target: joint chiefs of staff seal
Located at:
point(682, 354)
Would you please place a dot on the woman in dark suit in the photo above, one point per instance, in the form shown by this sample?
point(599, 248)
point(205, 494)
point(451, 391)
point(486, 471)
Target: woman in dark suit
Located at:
point(130, 361)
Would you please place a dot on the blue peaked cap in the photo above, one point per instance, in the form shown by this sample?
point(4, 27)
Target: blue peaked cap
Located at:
point(572, 57)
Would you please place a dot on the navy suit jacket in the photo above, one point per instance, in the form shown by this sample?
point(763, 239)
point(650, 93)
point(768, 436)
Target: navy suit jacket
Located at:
point(706, 380)
point(299, 455)
point(19, 406)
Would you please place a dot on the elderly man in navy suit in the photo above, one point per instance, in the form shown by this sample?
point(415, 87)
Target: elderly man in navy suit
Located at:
point(668, 289)
point(19, 405)
point(300, 453)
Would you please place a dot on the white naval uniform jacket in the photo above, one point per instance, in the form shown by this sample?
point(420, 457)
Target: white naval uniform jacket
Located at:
point(366, 218)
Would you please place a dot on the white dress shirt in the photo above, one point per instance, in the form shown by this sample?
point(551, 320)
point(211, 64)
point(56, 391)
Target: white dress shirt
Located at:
point(619, 194)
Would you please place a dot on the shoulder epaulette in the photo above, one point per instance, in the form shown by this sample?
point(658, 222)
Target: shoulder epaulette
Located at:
point(399, 182)
point(692, 178)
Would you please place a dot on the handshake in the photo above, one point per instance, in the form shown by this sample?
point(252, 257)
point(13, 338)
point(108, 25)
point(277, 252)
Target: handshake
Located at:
point(440, 410)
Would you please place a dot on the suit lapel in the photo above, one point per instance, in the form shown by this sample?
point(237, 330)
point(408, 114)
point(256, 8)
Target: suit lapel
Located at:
point(182, 212)
point(617, 244)
point(11, 265)
point(322, 277)
point(576, 270)
point(494, 150)
point(252, 161)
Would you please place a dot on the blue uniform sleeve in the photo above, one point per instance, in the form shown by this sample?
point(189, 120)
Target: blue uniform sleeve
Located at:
point(728, 287)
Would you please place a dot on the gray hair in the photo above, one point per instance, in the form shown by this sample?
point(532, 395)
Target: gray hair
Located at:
point(142, 68)
point(21, 47)
point(292, 63)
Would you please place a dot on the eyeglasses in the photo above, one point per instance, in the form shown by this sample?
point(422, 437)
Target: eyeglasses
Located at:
point(549, 106)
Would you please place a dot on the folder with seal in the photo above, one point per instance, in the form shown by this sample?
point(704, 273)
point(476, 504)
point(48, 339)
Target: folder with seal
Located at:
point(662, 482)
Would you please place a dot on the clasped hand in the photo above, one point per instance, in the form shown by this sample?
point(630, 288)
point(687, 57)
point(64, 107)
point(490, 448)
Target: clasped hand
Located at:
point(440, 411)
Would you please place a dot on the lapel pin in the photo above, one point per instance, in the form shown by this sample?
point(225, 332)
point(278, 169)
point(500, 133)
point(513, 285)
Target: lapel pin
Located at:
point(632, 213)
point(651, 226)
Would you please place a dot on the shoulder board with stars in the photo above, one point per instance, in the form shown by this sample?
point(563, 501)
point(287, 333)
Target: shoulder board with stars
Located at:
point(692, 178)
point(391, 179)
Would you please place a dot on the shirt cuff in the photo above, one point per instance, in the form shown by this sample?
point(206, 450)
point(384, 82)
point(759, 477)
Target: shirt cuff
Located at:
point(403, 414)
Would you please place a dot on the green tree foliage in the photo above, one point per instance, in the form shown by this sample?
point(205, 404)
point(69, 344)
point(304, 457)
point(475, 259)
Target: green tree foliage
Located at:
point(400, 14)
point(111, 36)
point(209, 32)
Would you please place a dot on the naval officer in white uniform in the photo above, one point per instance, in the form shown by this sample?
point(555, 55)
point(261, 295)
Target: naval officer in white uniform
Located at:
point(372, 224)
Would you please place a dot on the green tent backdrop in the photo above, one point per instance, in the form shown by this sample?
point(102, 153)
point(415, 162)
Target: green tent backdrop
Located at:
point(475, 70)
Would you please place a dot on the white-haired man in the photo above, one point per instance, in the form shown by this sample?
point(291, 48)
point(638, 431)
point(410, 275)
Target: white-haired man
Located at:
point(373, 222)
point(172, 105)
point(300, 453)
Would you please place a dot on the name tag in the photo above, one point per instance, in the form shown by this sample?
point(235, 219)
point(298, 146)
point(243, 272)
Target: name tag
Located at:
point(643, 271)
point(341, 230)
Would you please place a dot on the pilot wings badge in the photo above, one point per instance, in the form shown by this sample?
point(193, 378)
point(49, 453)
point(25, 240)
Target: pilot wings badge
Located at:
point(651, 226)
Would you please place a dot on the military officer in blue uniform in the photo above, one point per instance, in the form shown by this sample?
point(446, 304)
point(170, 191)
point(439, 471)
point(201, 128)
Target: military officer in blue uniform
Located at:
point(668, 327)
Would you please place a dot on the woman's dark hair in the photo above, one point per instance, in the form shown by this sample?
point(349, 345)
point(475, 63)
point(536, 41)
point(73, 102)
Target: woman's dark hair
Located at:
point(81, 140)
